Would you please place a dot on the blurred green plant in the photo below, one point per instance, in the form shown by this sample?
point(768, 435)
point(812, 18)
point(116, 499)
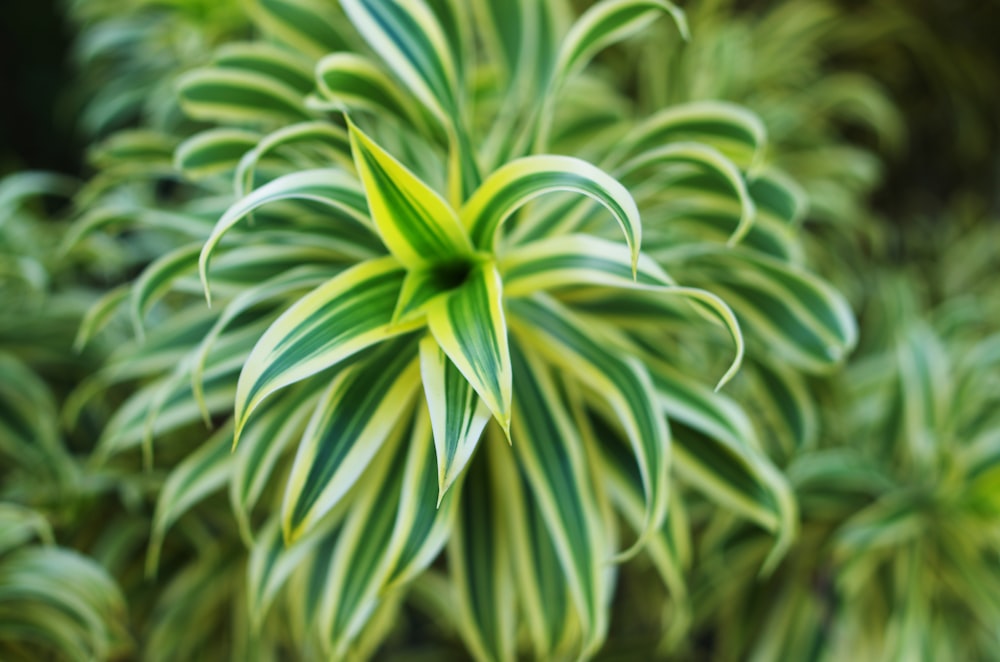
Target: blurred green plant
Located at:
point(384, 287)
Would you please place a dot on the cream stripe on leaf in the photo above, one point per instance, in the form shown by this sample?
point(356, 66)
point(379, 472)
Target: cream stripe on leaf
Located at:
point(656, 304)
point(364, 556)
point(469, 326)
point(552, 457)
point(278, 63)
point(279, 421)
point(213, 151)
point(350, 81)
point(348, 313)
point(409, 39)
point(570, 343)
point(425, 518)
point(329, 138)
point(233, 96)
point(331, 188)
point(542, 589)
point(272, 561)
point(479, 562)
point(415, 223)
point(350, 424)
point(606, 23)
point(284, 284)
point(701, 156)
point(458, 414)
point(311, 27)
point(799, 317)
point(518, 182)
point(734, 131)
point(575, 260)
point(201, 473)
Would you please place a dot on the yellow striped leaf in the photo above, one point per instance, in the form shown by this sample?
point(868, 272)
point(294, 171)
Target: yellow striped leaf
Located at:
point(458, 414)
point(348, 313)
point(518, 182)
point(351, 422)
point(469, 326)
point(416, 223)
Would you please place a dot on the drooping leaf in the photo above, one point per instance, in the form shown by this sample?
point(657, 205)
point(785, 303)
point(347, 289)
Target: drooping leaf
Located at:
point(516, 183)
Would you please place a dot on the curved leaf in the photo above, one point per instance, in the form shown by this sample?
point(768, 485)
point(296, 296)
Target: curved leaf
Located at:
point(517, 182)
point(331, 188)
point(551, 455)
point(575, 260)
point(410, 40)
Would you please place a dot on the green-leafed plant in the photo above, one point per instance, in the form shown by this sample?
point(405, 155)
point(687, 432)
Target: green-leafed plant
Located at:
point(898, 555)
point(53, 601)
point(128, 53)
point(409, 224)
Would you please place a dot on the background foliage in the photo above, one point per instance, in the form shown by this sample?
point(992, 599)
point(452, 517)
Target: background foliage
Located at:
point(830, 502)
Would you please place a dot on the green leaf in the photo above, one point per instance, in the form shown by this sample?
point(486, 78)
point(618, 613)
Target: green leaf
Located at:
point(606, 23)
point(348, 313)
point(232, 96)
point(542, 590)
point(364, 554)
point(458, 415)
point(470, 327)
point(213, 151)
point(272, 560)
point(276, 424)
point(409, 39)
point(311, 27)
point(425, 518)
point(572, 261)
point(331, 188)
point(799, 317)
point(416, 224)
point(575, 346)
point(158, 279)
point(279, 64)
point(729, 128)
point(351, 422)
point(552, 457)
point(328, 139)
point(707, 159)
point(201, 473)
point(480, 563)
point(520, 181)
point(353, 81)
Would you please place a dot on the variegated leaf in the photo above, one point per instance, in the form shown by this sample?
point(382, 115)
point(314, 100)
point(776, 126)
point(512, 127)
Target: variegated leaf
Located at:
point(416, 224)
point(520, 181)
point(480, 563)
point(572, 261)
point(469, 326)
point(348, 313)
point(571, 344)
point(331, 188)
point(552, 457)
point(458, 414)
point(351, 422)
